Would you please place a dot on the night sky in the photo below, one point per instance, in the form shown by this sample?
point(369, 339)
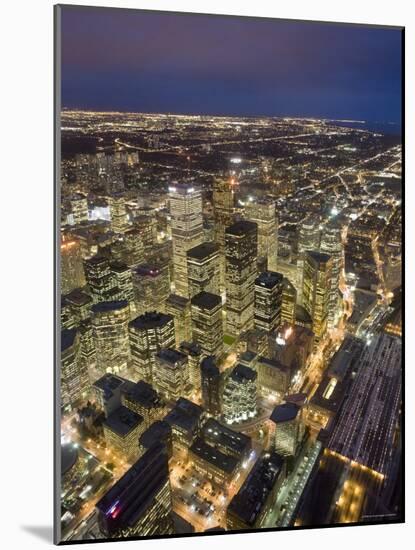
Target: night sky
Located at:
point(155, 62)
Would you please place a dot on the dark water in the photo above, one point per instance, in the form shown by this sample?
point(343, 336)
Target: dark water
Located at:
point(387, 128)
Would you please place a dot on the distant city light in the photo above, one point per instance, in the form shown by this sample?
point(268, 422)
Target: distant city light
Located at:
point(280, 340)
point(288, 333)
point(99, 213)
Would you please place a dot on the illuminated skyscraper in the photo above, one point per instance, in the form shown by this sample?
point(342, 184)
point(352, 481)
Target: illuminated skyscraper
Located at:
point(179, 308)
point(140, 502)
point(123, 281)
point(86, 335)
point(146, 225)
point(110, 329)
point(100, 279)
point(203, 269)
point(287, 419)
point(308, 239)
point(119, 221)
point(151, 286)
point(211, 382)
point(224, 206)
point(239, 401)
point(241, 272)
point(186, 230)
point(72, 271)
point(331, 243)
point(289, 301)
point(262, 212)
point(149, 333)
point(171, 374)
point(309, 234)
point(207, 322)
point(79, 303)
point(317, 289)
point(67, 320)
point(74, 372)
point(268, 300)
point(133, 249)
point(194, 357)
point(79, 208)
point(224, 213)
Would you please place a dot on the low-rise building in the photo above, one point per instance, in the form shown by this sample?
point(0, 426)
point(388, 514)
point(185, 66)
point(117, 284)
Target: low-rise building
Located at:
point(239, 400)
point(251, 504)
point(185, 419)
point(144, 400)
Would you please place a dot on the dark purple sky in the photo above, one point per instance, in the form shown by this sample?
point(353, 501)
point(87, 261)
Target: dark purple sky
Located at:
point(157, 62)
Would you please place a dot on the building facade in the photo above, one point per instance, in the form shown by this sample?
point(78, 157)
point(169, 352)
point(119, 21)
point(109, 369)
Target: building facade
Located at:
point(239, 400)
point(171, 374)
point(119, 220)
point(186, 230)
point(207, 322)
point(140, 502)
point(317, 285)
point(268, 301)
point(263, 213)
point(72, 270)
point(179, 308)
point(203, 269)
point(149, 333)
point(331, 243)
point(241, 272)
point(308, 239)
point(211, 384)
point(74, 372)
point(289, 302)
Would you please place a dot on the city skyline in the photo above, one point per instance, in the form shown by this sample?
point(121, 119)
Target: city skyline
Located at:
point(231, 286)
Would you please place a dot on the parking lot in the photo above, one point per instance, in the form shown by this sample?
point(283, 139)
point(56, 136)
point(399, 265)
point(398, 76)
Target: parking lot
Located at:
point(197, 500)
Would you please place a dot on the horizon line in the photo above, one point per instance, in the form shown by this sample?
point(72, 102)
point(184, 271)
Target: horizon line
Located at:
point(175, 114)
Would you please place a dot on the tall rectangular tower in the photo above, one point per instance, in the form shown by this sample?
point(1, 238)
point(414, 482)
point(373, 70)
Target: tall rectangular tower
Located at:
point(149, 333)
point(119, 220)
point(316, 290)
point(263, 213)
point(289, 302)
point(110, 332)
point(207, 323)
point(331, 243)
point(186, 230)
point(308, 239)
point(268, 300)
point(241, 271)
point(203, 269)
